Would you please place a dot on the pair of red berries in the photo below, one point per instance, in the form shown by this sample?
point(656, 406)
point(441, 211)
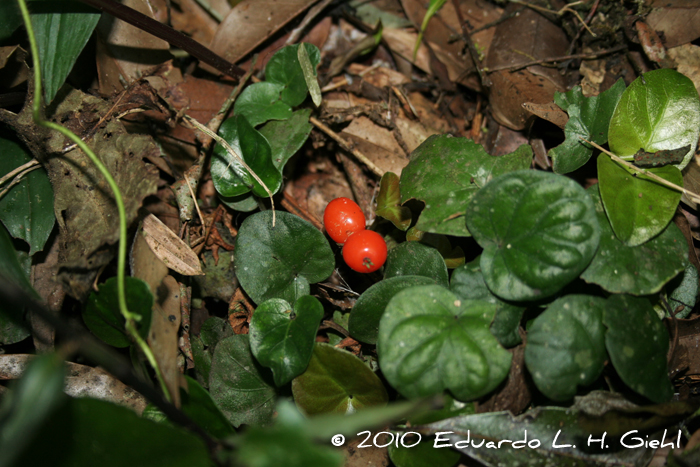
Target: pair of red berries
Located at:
point(363, 250)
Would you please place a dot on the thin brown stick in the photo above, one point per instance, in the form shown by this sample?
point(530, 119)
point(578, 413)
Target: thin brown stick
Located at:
point(562, 58)
point(347, 146)
point(31, 164)
point(485, 80)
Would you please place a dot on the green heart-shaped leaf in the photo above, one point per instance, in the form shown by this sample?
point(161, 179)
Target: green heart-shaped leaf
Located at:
point(284, 68)
point(102, 315)
point(337, 381)
point(286, 137)
point(566, 345)
point(468, 284)
point(538, 231)
point(637, 342)
point(239, 385)
point(389, 200)
point(638, 207)
point(416, 259)
point(230, 178)
point(589, 118)
point(659, 110)
point(27, 208)
point(637, 270)
point(430, 340)
point(280, 261)
point(261, 102)
point(198, 404)
point(444, 172)
point(369, 308)
point(282, 338)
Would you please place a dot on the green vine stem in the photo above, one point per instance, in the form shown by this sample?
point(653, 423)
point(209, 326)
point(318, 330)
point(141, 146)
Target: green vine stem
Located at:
point(130, 318)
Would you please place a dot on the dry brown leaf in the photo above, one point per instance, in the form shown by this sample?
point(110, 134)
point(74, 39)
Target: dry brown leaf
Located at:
point(688, 59)
point(250, 22)
point(13, 70)
point(519, 40)
point(548, 111)
point(81, 381)
point(377, 143)
point(678, 20)
point(169, 248)
point(125, 52)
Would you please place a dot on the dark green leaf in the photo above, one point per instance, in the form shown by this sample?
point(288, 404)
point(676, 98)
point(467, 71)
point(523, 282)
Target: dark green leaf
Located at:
point(445, 172)
point(683, 292)
point(337, 381)
point(637, 342)
point(430, 340)
point(369, 308)
point(454, 257)
point(659, 110)
point(637, 270)
point(416, 259)
point(200, 407)
point(280, 262)
point(242, 203)
point(230, 177)
point(566, 345)
point(282, 338)
point(32, 400)
point(62, 28)
point(468, 284)
point(102, 315)
point(86, 432)
point(240, 386)
point(638, 207)
point(538, 230)
point(12, 327)
point(283, 68)
point(287, 137)
point(589, 118)
point(389, 202)
point(11, 19)
point(261, 102)
point(27, 209)
point(421, 455)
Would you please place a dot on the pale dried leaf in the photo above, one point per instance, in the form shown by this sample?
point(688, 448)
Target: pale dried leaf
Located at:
point(169, 248)
point(679, 20)
point(548, 111)
point(377, 143)
point(163, 338)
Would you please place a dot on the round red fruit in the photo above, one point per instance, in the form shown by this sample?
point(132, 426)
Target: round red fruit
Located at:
point(342, 218)
point(365, 251)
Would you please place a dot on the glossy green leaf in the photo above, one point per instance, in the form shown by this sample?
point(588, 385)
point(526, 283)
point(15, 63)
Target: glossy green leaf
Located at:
point(389, 202)
point(566, 345)
point(683, 292)
point(230, 177)
point(286, 443)
point(369, 308)
point(468, 284)
point(636, 270)
point(589, 118)
point(416, 259)
point(286, 137)
point(421, 455)
point(241, 203)
point(659, 110)
point(12, 326)
point(213, 330)
point(637, 342)
point(280, 262)
point(638, 207)
point(538, 230)
point(282, 338)
point(444, 172)
point(102, 315)
point(198, 404)
point(27, 209)
point(62, 28)
point(430, 340)
point(261, 102)
point(240, 386)
point(284, 69)
point(337, 381)
point(88, 431)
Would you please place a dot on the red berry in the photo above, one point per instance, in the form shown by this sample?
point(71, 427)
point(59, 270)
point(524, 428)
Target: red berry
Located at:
point(342, 218)
point(365, 251)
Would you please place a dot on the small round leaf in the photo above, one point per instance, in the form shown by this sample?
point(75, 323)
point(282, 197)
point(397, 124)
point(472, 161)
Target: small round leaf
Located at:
point(282, 339)
point(430, 340)
point(261, 102)
point(539, 232)
point(337, 381)
point(280, 261)
point(416, 259)
point(284, 68)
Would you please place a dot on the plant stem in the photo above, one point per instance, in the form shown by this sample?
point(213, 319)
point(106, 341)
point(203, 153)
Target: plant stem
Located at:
point(131, 318)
